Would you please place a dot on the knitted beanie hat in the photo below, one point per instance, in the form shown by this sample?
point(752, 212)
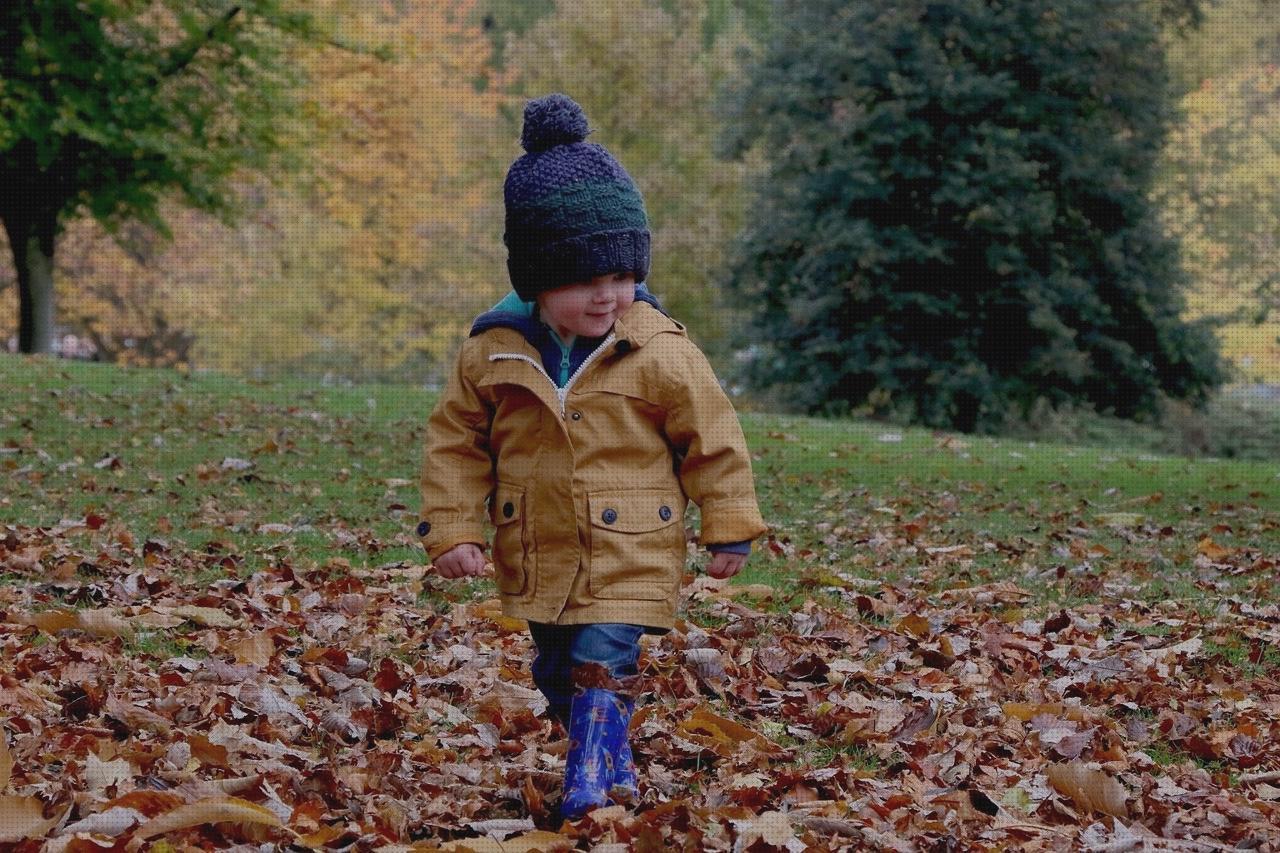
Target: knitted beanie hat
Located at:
point(573, 212)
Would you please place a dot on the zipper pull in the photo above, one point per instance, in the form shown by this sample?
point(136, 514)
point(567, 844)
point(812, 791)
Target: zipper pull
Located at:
point(564, 367)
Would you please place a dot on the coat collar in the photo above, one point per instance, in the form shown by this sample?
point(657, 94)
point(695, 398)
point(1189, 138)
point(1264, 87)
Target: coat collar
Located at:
point(636, 327)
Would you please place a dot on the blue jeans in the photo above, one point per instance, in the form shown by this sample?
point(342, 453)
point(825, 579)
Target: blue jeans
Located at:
point(613, 645)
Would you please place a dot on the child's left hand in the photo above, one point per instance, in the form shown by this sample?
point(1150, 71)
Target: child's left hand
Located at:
point(726, 565)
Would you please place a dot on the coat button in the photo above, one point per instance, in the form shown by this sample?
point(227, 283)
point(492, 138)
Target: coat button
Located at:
point(508, 509)
point(664, 513)
point(424, 527)
point(609, 516)
point(623, 347)
point(577, 416)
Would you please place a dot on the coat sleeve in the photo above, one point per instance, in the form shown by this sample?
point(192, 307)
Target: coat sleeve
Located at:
point(715, 468)
point(457, 471)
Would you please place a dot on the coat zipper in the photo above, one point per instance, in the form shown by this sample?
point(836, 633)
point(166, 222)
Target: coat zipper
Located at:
point(561, 393)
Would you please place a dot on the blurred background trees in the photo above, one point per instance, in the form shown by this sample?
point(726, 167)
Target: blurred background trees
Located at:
point(944, 210)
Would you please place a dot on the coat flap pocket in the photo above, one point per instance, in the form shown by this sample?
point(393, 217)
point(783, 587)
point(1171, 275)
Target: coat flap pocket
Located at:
point(506, 505)
point(635, 510)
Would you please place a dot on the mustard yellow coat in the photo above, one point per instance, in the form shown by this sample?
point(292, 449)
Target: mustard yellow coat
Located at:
point(586, 486)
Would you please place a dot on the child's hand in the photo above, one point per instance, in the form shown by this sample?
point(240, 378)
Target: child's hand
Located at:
point(461, 561)
point(726, 565)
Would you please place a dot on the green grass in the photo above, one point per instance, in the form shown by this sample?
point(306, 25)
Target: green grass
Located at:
point(846, 499)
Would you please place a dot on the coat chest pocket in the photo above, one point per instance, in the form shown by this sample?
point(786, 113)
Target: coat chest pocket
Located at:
point(506, 511)
point(637, 543)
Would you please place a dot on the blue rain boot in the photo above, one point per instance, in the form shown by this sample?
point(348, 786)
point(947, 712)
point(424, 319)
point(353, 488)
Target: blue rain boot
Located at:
point(598, 721)
point(625, 788)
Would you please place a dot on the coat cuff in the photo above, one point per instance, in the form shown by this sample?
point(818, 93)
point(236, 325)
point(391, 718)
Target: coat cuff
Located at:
point(743, 547)
point(439, 537)
point(730, 521)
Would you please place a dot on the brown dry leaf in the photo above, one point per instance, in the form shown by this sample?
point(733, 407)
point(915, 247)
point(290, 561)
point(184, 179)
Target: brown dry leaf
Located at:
point(216, 810)
point(22, 818)
point(104, 622)
point(149, 803)
point(153, 619)
point(919, 720)
point(915, 625)
point(134, 717)
point(322, 836)
point(256, 649)
point(1025, 711)
point(208, 617)
point(1091, 789)
point(771, 829)
point(515, 697)
point(722, 736)
point(1213, 550)
point(492, 610)
point(50, 621)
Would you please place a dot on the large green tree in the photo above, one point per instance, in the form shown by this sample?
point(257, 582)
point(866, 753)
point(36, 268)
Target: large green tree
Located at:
point(107, 106)
point(955, 220)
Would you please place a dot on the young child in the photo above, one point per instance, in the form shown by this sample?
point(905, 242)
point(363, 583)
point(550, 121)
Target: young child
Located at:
point(587, 419)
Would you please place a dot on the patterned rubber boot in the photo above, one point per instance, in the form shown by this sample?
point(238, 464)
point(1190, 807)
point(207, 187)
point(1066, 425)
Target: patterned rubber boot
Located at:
point(625, 788)
point(598, 721)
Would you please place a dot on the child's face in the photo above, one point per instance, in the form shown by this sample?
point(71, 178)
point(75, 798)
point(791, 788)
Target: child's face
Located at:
point(588, 308)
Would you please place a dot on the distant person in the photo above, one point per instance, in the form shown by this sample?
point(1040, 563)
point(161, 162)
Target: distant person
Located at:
point(587, 419)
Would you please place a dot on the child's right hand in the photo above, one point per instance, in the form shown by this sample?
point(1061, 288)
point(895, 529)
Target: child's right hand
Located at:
point(461, 561)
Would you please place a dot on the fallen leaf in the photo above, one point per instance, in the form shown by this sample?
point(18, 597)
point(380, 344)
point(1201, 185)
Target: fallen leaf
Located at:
point(1054, 624)
point(1026, 712)
point(215, 810)
point(209, 617)
point(111, 822)
point(257, 649)
point(1213, 550)
point(104, 622)
point(100, 775)
point(50, 621)
point(915, 625)
point(500, 828)
point(719, 734)
point(919, 720)
point(22, 818)
point(771, 829)
point(1091, 789)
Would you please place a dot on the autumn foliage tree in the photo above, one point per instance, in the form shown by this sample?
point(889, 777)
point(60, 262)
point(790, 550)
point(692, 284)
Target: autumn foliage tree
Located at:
point(110, 105)
point(1220, 186)
point(363, 259)
point(369, 262)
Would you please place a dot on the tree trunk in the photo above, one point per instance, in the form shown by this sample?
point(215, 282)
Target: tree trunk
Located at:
point(31, 241)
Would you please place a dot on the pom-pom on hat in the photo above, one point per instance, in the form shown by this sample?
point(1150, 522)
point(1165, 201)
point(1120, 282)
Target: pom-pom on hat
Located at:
point(573, 212)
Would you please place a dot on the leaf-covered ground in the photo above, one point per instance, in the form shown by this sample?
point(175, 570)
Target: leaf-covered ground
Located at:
point(215, 630)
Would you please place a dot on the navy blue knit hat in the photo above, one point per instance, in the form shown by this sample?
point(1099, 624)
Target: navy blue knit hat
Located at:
point(573, 212)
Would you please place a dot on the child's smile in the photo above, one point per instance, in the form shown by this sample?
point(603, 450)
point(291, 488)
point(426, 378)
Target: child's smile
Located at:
point(588, 308)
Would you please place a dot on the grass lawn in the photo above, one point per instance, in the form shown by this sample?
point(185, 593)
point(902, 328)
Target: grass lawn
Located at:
point(247, 473)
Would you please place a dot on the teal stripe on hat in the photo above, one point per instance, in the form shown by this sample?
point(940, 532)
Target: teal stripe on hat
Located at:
point(581, 208)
